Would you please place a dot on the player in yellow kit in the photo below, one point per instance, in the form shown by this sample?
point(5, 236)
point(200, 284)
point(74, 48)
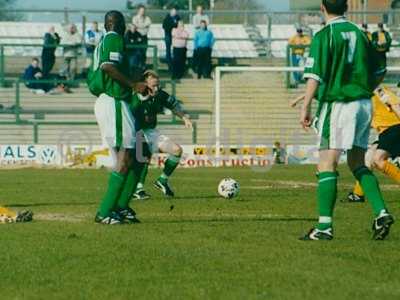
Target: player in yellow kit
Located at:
point(386, 121)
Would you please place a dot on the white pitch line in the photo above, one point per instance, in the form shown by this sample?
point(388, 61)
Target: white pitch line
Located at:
point(152, 218)
point(300, 184)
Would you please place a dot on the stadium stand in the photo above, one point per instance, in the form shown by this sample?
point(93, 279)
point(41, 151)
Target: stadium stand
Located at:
point(233, 41)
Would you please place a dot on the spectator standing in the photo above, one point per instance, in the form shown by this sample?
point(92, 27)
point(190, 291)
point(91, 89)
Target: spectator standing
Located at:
point(381, 41)
point(364, 28)
point(142, 23)
point(197, 18)
point(135, 55)
point(51, 41)
point(200, 16)
point(203, 44)
point(298, 44)
point(179, 42)
point(92, 39)
point(72, 42)
point(170, 22)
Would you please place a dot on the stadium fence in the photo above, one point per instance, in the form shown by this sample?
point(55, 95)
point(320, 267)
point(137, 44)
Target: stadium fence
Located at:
point(36, 117)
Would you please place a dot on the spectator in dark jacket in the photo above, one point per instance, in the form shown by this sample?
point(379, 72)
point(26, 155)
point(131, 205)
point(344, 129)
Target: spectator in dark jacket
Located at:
point(382, 41)
point(136, 56)
point(203, 44)
point(51, 41)
point(33, 73)
point(170, 22)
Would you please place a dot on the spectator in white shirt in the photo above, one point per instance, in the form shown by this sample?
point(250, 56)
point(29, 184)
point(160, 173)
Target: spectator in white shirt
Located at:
point(142, 24)
point(200, 16)
point(72, 41)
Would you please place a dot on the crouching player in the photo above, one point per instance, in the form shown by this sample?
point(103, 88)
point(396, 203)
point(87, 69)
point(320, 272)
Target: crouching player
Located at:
point(386, 121)
point(145, 111)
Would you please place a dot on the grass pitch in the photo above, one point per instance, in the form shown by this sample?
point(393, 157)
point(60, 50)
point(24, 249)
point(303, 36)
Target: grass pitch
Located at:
point(206, 248)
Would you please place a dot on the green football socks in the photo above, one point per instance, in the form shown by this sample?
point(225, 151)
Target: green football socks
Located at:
point(170, 165)
point(371, 189)
point(143, 175)
point(115, 185)
point(129, 187)
point(327, 193)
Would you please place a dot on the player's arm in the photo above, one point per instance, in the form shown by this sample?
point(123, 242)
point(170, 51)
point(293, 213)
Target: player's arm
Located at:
point(396, 110)
point(296, 101)
point(185, 118)
point(172, 104)
point(114, 51)
point(394, 105)
point(315, 71)
point(112, 71)
point(311, 90)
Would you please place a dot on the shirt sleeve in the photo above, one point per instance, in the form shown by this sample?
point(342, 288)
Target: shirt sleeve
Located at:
point(113, 49)
point(212, 39)
point(168, 101)
point(316, 66)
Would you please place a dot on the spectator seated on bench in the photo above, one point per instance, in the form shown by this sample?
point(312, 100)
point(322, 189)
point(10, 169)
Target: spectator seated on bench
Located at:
point(34, 73)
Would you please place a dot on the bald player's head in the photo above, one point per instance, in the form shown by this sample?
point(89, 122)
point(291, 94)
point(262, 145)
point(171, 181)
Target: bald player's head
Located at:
point(115, 21)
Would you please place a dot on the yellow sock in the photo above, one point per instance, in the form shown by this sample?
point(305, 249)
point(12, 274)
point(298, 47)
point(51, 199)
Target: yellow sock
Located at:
point(358, 189)
point(392, 171)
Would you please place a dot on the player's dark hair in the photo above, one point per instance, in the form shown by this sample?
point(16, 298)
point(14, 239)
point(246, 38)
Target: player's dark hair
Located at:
point(140, 6)
point(335, 7)
point(114, 20)
point(35, 59)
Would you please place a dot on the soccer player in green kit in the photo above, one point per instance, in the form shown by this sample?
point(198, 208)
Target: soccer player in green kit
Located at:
point(145, 110)
point(109, 82)
point(342, 74)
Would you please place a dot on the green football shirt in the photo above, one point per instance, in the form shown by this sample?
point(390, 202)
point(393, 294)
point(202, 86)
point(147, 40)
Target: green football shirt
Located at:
point(146, 111)
point(111, 50)
point(343, 60)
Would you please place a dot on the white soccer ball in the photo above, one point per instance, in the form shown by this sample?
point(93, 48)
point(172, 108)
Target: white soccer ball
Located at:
point(228, 188)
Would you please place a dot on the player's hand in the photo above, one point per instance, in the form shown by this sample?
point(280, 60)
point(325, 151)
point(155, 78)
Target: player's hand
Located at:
point(294, 102)
point(305, 118)
point(188, 123)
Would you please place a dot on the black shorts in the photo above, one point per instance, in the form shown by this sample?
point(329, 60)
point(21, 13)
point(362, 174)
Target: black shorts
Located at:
point(389, 140)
